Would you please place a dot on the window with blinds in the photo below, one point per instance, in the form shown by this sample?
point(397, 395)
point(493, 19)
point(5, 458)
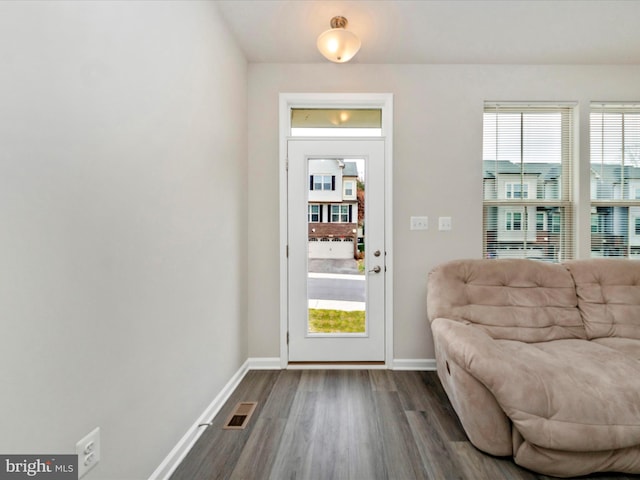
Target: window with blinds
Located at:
point(527, 180)
point(615, 180)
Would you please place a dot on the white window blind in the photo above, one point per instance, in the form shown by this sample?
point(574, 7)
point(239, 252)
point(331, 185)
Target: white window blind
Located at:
point(615, 180)
point(527, 180)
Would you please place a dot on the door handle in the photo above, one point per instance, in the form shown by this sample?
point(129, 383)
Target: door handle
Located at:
point(376, 269)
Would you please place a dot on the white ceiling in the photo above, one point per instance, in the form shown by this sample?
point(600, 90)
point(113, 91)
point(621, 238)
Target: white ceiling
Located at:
point(443, 31)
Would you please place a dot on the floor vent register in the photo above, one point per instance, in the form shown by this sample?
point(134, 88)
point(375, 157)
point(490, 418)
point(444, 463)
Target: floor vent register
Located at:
point(240, 416)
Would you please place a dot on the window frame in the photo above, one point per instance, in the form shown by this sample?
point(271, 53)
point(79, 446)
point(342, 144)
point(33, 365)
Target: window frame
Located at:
point(323, 182)
point(510, 190)
point(616, 241)
point(341, 214)
point(560, 245)
point(310, 214)
point(510, 221)
point(346, 184)
point(541, 221)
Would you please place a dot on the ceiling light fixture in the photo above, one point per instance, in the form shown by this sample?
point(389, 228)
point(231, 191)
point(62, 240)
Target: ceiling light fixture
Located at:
point(338, 44)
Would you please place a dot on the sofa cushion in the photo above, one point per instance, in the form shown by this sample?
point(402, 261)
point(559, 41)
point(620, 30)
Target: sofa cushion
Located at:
point(572, 464)
point(608, 296)
point(627, 346)
point(484, 421)
point(516, 299)
point(570, 395)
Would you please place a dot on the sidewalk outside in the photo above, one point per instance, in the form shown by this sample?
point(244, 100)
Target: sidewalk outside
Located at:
point(330, 265)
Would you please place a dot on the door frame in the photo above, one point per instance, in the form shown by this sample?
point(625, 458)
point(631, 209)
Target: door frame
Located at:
point(287, 101)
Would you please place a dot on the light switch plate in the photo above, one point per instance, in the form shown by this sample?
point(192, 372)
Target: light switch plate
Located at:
point(419, 223)
point(444, 224)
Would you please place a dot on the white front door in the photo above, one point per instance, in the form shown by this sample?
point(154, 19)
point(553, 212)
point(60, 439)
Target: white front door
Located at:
point(336, 262)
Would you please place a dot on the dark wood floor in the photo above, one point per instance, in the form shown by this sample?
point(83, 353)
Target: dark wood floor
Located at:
point(345, 424)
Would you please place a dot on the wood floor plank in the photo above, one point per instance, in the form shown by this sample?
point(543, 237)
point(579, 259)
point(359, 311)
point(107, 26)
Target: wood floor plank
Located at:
point(312, 380)
point(282, 394)
point(434, 449)
point(474, 465)
point(382, 381)
point(443, 412)
point(259, 452)
point(412, 391)
point(292, 458)
point(329, 447)
point(365, 440)
point(401, 455)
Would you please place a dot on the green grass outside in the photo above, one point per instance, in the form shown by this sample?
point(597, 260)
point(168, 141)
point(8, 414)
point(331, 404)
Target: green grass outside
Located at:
point(335, 321)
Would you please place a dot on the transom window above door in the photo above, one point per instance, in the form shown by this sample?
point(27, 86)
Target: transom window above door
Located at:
point(336, 122)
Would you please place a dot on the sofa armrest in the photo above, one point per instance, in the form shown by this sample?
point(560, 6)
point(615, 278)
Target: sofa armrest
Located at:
point(482, 418)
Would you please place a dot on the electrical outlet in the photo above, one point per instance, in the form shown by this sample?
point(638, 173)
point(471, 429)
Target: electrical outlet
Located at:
point(88, 450)
point(444, 223)
point(419, 223)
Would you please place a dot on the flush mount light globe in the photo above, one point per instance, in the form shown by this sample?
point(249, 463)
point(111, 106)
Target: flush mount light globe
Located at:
point(338, 44)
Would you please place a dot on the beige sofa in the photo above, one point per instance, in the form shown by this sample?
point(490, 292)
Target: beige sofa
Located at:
point(542, 361)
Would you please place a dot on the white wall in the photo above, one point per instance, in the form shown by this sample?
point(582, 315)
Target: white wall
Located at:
point(123, 229)
point(438, 137)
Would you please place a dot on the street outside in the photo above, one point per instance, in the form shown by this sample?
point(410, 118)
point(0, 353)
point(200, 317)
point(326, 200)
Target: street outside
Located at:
point(336, 285)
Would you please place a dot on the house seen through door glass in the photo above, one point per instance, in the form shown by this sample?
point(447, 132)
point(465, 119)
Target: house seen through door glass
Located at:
point(336, 246)
point(336, 285)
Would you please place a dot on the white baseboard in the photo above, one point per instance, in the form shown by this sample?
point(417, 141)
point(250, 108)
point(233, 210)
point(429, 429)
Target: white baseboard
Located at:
point(264, 363)
point(171, 461)
point(428, 364)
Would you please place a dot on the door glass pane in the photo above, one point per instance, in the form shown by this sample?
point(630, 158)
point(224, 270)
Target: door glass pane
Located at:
point(336, 281)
